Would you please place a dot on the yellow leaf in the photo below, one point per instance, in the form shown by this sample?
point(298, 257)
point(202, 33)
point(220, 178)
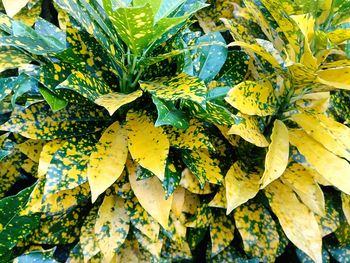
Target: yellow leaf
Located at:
point(151, 196)
point(346, 206)
point(249, 130)
point(129, 252)
point(148, 145)
point(252, 98)
point(317, 102)
point(47, 154)
point(178, 201)
point(31, 148)
point(240, 186)
point(113, 101)
point(107, 161)
point(276, 159)
point(298, 222)
point(303, 183)
point(13, 7)
point(191, 203)
point(334, 169)
point(339, 35)
point(331, 134)
point(219, 199)
point(255, 48)
point(112, 226)
point(191, 183)
point(335, 77)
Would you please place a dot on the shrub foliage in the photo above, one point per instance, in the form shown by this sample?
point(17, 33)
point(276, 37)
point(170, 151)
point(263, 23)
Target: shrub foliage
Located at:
point(175, 130)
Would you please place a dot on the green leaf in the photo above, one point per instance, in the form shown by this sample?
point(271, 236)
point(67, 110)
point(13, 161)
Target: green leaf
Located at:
point(56, 103)
point(168, 114)
point(166, 8)
point(210, 59)
point(172, 177)
point(39, 122)
point(13, 227)
point(258, 231)
point(182, 86)
point(11, 58)
point(45, 256)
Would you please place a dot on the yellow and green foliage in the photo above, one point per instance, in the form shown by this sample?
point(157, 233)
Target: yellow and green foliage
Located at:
point(175, 131)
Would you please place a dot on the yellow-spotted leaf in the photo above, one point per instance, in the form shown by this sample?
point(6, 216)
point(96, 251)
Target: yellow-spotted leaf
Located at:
point(339, 35)
point(249, 130)
point(258, 231)
point(303, 183)
point(151, 249)
point(87, 240)
point(107, 161)
point(203, 167)
point(219, 199)
point(335, 77)
point(31, 148)
point(191, 183)
point(255, 48)
point(333, 168)
point(151, 196)
point(13, 7)
point(202, 218)
point(298, 222)
point(191, 203)
point(240, 186)
point(252, 98)
point(330, 133)
point(46, 155)
point(112, 226)
point(148, 145)
point(276, 159)
point(346, 206)
point(113, 101)
point(182, 86)
point(141, 220)
point(178, 201)
point(221, 232)
point(193, 138)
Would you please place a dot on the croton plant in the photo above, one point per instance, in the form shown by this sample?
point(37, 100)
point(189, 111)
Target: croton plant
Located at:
point(175, 131)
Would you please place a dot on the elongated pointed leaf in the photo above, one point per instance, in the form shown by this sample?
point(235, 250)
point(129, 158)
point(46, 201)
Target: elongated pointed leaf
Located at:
point(112, 226)
point(252, 98)
point(151, 196)
point(87, 240)
point(297, 221)
point(148, 145)
point(192, 184)
point(277, 156)
point(334, 169)
point(221, 232)
point(107, 161)
point(240, 186)
point(258, 231)
point(12, 7)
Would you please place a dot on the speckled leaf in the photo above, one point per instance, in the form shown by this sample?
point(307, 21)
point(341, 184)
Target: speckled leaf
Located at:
point(297, 221)
point(249, 130)
point(209, 59)
point(141, 220)
point(12, 58)
point(303, 183)
point(168, 114)
point(213, 113)
point(276, 160)
point(151, 196)
point(346, 206)
point(46, 155)
point(306, 259)
point(182, 86)
point(258, 231)
point(194, 138)
point(240, 186)
point(87, 239)
point(219, 199)
point(340, 254)
point(234, 69)
point(252, 98)
point(172, 177)
point(148, 145)
point(191, 183)
point(113, 101)
point(68, 167)
point(203, 167)
point(221, 232)
point(45, 256)
point(202, 218)
point(107, 160)
point(150, 247)
point(334, 169)
point(112, 226)
point(331, 134)
point(9, 172)
point(40, 123)
point(13, 227)
point(330, 221)
point(31, 148)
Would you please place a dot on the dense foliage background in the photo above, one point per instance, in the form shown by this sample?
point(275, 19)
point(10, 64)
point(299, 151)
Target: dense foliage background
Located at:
point(174, 131)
